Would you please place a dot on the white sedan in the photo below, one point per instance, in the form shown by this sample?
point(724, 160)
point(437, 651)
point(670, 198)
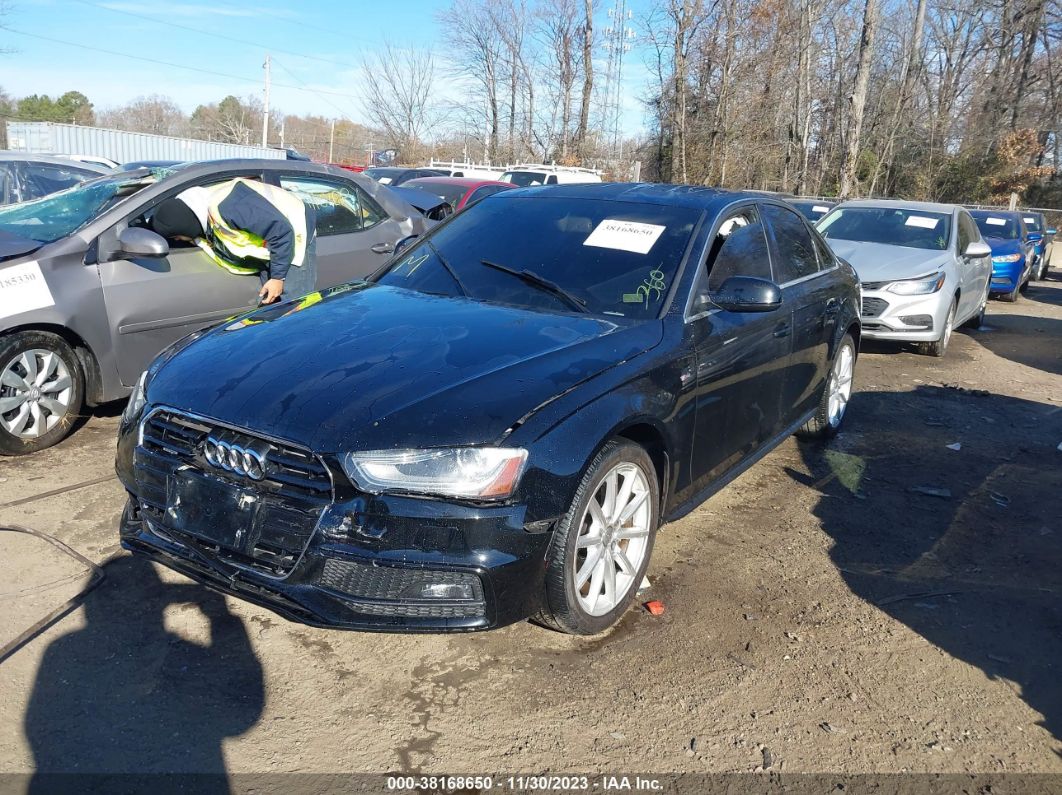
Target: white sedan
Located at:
point(923, 268)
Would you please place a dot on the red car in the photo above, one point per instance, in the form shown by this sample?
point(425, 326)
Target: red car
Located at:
point(459, 192)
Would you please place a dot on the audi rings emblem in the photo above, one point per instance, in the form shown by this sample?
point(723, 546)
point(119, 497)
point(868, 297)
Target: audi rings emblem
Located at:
point(247, 459)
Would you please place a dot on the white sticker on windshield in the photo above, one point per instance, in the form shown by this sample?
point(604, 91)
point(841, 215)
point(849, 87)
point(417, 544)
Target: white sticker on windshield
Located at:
point(23, 289)
point(1030, 220)
point(625, 235)
point(922, 221)
point(384, 180)
point(996, 221)
point(818, 208)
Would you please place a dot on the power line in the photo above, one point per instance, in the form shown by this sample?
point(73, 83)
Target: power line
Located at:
point(313, 90)
point(198, 31)
point(170, 64)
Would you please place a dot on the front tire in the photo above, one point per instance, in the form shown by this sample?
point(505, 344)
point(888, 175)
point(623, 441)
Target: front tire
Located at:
point(833, 405)
point(978, 320)
point(939, 346)
point(41, 391)
point(601, 548)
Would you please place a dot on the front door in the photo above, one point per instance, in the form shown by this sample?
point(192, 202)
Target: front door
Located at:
point(355, 235)
point(741, 357)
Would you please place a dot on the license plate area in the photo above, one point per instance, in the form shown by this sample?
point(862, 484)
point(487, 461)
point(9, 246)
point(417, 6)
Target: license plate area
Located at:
point(211, 510)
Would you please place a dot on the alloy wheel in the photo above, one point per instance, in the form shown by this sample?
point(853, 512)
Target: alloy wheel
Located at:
point(840, 385)
point(35, 393)
point(613, 539)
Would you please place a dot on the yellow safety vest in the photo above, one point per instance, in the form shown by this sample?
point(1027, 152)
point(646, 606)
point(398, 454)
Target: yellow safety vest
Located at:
point(240, 245)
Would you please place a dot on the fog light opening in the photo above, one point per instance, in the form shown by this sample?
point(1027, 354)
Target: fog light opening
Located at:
point(446, 590)
point(919, 321)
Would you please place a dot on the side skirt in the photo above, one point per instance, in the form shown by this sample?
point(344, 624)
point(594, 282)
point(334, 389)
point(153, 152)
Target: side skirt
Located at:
point(736, 471)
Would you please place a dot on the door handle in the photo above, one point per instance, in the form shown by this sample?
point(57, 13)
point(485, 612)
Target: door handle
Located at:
point(384, 248)
point(833, 306)
point(781, 330)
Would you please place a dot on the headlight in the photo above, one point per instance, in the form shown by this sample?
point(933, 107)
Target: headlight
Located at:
point(136, 400)
point(484, 473)
point(918, 286)
point(1007, 258)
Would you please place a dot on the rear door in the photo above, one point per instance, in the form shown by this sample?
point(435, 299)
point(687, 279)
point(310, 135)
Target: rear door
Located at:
point(801, 271)
point(355, 235)
point(741, 356)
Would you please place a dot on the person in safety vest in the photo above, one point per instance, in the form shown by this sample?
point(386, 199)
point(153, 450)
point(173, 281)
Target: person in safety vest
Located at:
point(248, 227)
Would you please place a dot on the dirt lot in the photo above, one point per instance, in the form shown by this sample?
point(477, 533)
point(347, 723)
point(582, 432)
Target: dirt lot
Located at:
point(822, 615)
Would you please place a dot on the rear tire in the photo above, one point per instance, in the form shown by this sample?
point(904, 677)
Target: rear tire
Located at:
point(599, 554)
point(833, 405)
point(939, 346)
point(41, 391)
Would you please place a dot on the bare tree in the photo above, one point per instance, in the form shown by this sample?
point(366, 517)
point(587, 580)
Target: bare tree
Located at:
point(155, 114)
point(470, 29)
point(398, 92)
point(857, 100)
point(588, 74)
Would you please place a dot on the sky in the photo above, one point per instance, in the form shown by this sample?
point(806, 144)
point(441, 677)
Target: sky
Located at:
point(316, 50)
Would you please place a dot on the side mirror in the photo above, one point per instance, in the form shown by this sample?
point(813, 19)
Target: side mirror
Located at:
point(977, 249)
point(1052, 231)
point(136, 241)
point(404, 243)
point(748, 294)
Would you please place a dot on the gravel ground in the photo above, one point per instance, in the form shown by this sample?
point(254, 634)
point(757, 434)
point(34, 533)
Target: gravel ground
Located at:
point(884, 604)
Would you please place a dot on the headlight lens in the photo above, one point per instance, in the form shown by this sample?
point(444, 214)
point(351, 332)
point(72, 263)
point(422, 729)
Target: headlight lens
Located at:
point(136, 400)
point(484, 473)
point(925, 286)
point(1007, 258)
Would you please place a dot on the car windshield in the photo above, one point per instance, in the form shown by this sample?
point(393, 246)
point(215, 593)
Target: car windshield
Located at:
point(891, 226)
point(1032, 223)
point(385, 176)
point(811, 210)
point(448, 193)
point(554, 254)
point(998, 226)
point(524, 178)
point(61, 214)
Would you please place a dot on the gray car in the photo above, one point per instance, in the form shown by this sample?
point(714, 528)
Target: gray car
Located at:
point(89, 295)
point(25, 176)
point(923, 268)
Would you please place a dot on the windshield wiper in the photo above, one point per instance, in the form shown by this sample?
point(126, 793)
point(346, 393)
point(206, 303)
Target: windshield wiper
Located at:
point(542, 283)
point(448, 267)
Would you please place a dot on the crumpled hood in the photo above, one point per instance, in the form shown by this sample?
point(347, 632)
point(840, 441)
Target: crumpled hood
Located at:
point(877, 262)
point(374, 367)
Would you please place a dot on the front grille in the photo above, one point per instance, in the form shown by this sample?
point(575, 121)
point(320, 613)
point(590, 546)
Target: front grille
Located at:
point(397, 591)
point(295, 488)
point(873, 307)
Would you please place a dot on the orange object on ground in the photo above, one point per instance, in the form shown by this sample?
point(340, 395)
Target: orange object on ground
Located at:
point(655, 607)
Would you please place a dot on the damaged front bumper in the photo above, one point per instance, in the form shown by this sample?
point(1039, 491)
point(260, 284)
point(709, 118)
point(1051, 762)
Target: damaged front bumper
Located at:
point(305, 544)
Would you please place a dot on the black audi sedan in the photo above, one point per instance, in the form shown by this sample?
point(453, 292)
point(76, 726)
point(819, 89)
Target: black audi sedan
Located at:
point(495, 425)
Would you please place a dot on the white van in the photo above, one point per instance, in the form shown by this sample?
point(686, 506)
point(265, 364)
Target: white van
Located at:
point(454, 168)
point(528, 174)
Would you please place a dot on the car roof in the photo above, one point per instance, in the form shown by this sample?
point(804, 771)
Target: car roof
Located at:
point(33, 157)
point(984, 213)
point(642, 192)
point(925, 207)
point(460, 182)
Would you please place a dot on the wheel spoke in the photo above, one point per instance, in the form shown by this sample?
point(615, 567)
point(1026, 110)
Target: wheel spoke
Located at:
point(611, 487)
point(588, 567)
point(58, 385)
point(55, 408)
point(624, 562)
point(596, 515)
point(38, 421)
point(610, 580)
point(13, 379)
point(623, 498)
point(29, 364)
point(49, 364)
point(631, 532)
point(596, 583)
point(631, 507)
point(10, 403)
point(587, 541)
point(18, 424)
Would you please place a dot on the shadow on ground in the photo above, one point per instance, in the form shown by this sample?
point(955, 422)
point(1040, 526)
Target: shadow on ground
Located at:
point(964, 547)
point(1032, 341)
point(126, 696)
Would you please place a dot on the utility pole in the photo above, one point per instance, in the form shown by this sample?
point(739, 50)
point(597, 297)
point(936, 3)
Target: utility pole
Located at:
point(332, 142)
point(265, 114)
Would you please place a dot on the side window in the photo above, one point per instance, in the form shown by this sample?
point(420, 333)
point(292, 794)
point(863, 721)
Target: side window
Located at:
point(739, 249)
point(551, 180)
point(965, 237)
point(826, 258)
point(341, 207)
point(482, 193)
point(8, 192)
point(41, 179)
point(796, 250)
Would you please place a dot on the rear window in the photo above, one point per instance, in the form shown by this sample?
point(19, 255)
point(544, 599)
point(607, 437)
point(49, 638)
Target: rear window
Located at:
point(525, 178)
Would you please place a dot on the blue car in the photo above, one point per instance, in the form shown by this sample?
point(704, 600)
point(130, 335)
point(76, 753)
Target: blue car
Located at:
point(1041, 237)
point(1013, 253)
